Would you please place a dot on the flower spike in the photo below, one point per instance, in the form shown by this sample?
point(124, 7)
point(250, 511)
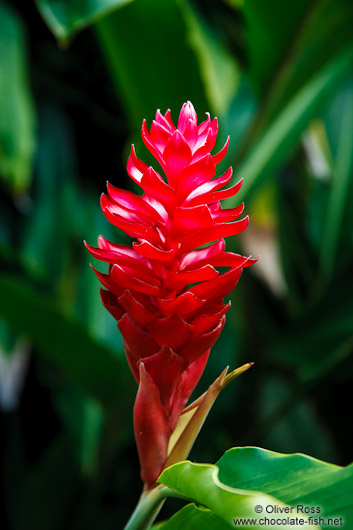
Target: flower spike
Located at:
point(166, 291)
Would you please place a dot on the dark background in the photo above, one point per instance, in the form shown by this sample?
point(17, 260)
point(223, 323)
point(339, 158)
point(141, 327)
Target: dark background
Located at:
point(280, 80)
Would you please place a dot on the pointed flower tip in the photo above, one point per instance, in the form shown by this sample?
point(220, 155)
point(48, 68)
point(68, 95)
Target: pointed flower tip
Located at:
point(187, 113)
point(88, 247)
point(225, 371)
point(188, 106)
point(142, 369)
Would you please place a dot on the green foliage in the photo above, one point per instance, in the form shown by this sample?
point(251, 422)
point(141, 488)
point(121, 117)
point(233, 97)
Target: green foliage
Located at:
point(200, 482)
point(17, 119)
point(282, 135)
point(335, 235)
point(279, 77)
point(293, 479)
point(64, 342)
point(248, 477)
point(191, 517)
point(218, 69)
point(263, 22)
point(171, 77)
point(69, 16)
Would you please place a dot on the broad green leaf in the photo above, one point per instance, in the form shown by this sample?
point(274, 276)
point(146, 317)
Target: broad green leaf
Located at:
point(151, 61)
point(293, 479)
point(272, 148)
point(200, 482)
point(66, 343)
point(17, 119)
point(193, 517)
point(66, 17)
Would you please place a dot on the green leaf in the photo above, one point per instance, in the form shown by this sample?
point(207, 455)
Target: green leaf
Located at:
point(315, 344)
point(218, 67)
point(271, 30)
point(84, 421)
point(325, 32)
point(56, 192)
point(17, 119)
point(66, 17)
point(192, 517)
point(340, 136)
point(86, 299)
point(84, 360)
point(246, 477)
point(151, 61)
point(293, 479)
point(298, 256)
point(289, 422)
point(35, 503)
point(8, 340)
point(201, 483)
point(289, 55)
point(296, 43)
point(274, 145)
point(54, 182)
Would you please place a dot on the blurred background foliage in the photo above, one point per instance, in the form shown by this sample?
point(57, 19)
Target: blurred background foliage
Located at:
point(76, 80)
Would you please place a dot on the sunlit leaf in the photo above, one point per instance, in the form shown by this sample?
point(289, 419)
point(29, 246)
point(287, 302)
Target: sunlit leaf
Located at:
point(293, 479)
point(200, 482)
point(248, 477)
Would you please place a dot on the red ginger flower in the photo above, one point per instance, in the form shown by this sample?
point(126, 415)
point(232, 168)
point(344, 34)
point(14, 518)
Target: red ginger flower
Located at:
point(165, 292)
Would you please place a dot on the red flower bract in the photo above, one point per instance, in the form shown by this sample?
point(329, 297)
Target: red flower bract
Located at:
point(165, 292)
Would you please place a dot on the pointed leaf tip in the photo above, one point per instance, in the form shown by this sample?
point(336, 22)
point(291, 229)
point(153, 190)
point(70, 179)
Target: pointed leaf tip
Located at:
point(193, 416)
point(235, 373)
